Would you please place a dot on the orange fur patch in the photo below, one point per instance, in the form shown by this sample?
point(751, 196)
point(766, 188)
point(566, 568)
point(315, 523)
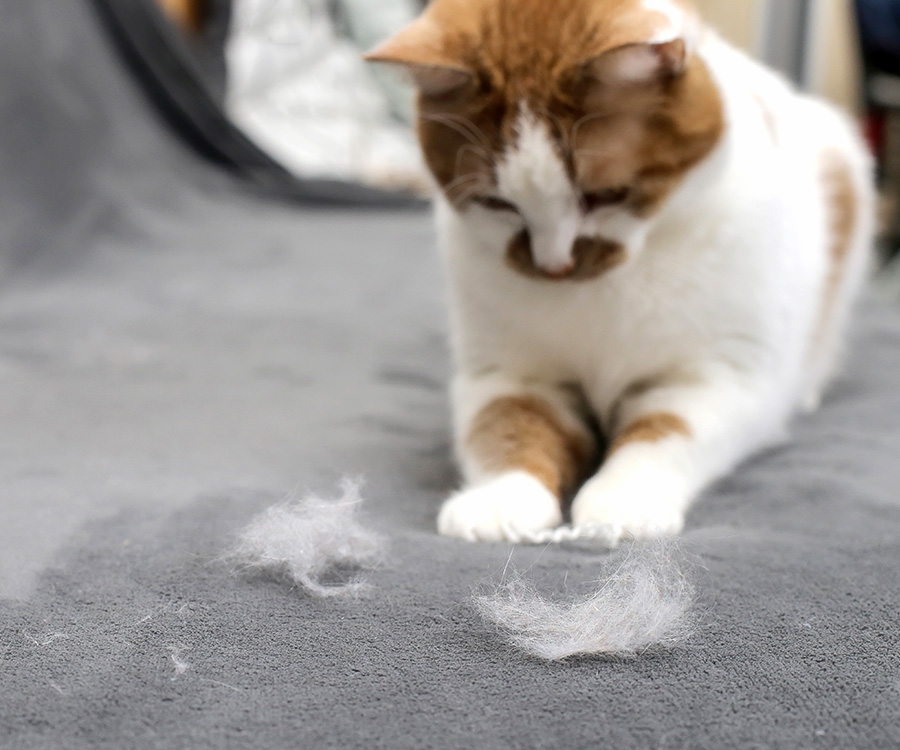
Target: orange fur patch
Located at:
point(651, 428)
point(842, 204)
point(524, 433)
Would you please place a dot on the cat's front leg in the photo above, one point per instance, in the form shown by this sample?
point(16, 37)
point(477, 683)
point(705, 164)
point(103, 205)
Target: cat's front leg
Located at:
point(672, 440)
point(522, 446)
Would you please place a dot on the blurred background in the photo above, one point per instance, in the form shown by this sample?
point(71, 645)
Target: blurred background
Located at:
point(274, 67)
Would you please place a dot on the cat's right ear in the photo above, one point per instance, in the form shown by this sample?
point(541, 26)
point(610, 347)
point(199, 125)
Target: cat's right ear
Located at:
point(419, 49)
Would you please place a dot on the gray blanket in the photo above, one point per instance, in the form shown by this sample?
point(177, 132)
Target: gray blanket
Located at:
point(176, 355)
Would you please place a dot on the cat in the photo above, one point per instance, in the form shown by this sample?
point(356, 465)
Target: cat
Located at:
point(647, 235)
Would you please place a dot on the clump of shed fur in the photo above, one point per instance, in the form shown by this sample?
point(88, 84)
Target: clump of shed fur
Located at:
point(643, 601)
point(312, 542)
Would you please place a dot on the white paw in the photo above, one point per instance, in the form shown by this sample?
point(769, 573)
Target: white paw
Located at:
point(643, 506)
point(510, 507)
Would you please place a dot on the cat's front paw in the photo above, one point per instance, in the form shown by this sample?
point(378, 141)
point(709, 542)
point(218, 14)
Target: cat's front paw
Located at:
point(646, 506)
point(509, 507)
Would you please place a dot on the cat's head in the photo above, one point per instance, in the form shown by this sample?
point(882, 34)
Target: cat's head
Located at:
point(570, 123)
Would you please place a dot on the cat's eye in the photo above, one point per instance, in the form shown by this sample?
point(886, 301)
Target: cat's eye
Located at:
point(603, 198)
point(493, 203)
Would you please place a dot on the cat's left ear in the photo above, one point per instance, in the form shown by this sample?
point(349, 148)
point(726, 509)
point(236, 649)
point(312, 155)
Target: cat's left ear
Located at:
point(635, 64)
point(420, 49)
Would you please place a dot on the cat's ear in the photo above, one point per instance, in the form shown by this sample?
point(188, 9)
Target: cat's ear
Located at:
point(420, 49)
point(635, 64)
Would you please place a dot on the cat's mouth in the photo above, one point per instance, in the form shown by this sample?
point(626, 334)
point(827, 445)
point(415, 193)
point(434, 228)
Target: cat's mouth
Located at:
point(591, 257)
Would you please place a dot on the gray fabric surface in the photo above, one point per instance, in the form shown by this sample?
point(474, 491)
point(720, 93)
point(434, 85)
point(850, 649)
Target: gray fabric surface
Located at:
point(175, 356)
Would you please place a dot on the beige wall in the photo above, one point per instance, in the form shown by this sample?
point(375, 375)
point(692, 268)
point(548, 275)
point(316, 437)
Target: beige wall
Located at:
point(833, 66)
point(738, 20)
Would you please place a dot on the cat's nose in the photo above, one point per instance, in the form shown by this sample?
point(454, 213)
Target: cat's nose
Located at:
point(552, 251)
point(562, 272)
point(556, 269)
point(520, 255)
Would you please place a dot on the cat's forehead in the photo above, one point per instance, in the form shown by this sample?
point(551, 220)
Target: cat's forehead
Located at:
point(524, 49)
point(519, 37)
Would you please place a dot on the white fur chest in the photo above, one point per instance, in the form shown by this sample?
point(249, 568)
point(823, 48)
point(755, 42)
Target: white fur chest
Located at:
point(677, 304)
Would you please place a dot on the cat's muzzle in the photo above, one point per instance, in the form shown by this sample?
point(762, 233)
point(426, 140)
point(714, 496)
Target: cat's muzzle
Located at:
point(591, 257)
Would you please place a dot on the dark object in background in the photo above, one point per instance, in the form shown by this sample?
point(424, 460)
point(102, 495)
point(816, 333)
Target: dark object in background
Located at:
point(205, 26)
point(879, 33)
point(184, 76)
point(879, 28)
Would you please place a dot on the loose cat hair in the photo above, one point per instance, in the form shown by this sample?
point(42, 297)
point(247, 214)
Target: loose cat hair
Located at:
point(646, 234)
point(642, 601)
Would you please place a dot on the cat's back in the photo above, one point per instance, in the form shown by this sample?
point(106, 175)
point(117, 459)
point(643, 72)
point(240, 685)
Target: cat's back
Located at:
point(800, 167)
point(795, 162)
point(772, 115)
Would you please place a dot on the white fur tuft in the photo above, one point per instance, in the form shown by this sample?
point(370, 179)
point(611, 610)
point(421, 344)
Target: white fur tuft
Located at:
point(643, 601)
point(312, 542)
point(180, 665)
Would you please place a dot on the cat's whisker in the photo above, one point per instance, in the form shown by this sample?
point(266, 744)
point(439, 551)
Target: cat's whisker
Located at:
point(468, 175)
point(460, 155)
point(579, 123)
point(464, 196)
point(473, 180)
point(555, 119)
point(466, 193)
point(472, 177)
point(460, 125)
point(477, 133)
point(470, 149)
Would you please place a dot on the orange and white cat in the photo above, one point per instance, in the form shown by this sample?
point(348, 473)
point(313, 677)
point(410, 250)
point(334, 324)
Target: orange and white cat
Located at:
point(644, 230)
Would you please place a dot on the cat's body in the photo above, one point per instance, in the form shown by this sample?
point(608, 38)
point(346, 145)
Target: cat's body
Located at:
point(667, 240)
